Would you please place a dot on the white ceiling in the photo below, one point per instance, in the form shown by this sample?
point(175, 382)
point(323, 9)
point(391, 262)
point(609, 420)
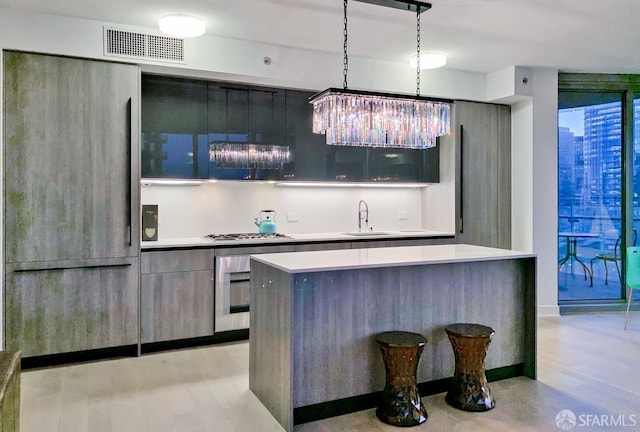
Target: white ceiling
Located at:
point(476, 35)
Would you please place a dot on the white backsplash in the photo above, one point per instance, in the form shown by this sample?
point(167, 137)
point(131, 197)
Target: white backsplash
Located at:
point(229, 206)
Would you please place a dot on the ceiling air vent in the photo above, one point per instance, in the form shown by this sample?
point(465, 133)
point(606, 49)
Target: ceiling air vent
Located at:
point(120, 43)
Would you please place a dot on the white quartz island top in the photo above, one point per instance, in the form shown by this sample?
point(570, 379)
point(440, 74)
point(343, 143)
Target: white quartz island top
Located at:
point(350, 259)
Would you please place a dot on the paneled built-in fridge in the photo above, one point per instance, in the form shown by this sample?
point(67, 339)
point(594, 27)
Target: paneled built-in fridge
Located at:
point(71, 204)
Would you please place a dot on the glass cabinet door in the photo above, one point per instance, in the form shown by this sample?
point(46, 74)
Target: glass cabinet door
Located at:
point(246, 136)
point(309, 150)
point(349, 164)
point(392, 165)
point(174, 127)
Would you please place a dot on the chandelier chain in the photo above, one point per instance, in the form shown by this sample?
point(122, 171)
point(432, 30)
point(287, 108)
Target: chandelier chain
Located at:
point(418, 52)
point(346, 57)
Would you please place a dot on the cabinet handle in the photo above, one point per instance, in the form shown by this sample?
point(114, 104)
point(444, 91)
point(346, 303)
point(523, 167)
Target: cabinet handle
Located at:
point(73, 268)
point(461, 179)
point(129, 169)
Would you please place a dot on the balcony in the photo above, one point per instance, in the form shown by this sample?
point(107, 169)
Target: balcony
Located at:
point(574, 282)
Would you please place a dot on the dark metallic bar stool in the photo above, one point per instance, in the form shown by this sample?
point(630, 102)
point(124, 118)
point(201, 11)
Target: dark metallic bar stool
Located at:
point(469, 390)
point(401, 404)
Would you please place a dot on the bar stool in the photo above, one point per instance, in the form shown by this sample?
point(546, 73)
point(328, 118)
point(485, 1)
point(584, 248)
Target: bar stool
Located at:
point(401, 404)
point(469, 390)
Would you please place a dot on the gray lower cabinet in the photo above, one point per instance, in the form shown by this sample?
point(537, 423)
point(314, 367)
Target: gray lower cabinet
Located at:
point(482, 135)
point(369, 244)
point(401, 242)
point(436, 241)
point(54, 308)
point(177, 286)
point(176, 305)
point(323, 246)
point(176, 295)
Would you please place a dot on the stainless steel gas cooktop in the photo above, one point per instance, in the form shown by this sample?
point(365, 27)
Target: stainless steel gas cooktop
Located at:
point(245, 236)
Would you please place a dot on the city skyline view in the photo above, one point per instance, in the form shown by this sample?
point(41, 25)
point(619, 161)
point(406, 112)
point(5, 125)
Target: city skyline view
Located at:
point(573, 119)
point(589, 199)
point(590, 194)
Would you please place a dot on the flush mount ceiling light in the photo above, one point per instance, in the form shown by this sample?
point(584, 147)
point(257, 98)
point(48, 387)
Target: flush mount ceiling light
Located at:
point(429, 60)
point(373, 119)
point(182, 26)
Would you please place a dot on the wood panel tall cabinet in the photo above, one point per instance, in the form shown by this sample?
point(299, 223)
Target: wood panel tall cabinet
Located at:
point(482, 134)
point(71, 203)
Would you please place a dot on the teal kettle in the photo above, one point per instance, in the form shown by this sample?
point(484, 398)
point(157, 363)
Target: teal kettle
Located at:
point(266, 222)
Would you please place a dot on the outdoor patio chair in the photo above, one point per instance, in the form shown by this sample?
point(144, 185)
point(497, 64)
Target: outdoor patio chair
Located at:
point(614, 257)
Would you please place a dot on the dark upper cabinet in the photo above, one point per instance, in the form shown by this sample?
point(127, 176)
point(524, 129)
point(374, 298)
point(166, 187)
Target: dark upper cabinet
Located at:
point(394, 164)
point(246, 133)
point(310, 152)
point(315, 160)
point(174, 128)
point(206, 129)
point(267, 116)
point(383, 164)
point(347, 164)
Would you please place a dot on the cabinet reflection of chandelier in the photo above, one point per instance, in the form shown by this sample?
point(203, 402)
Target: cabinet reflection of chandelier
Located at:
point(241, 155)
point(371, 119)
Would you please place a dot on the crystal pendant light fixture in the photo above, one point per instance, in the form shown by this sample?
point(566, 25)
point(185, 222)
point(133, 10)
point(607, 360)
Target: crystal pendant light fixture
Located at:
point(373, 119)
point(241, 155)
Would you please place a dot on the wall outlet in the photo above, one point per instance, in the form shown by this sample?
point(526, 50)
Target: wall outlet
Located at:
point(403, 215)
point(292, 217)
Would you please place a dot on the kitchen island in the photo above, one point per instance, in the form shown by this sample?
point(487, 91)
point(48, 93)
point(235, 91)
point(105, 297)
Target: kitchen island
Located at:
point(314, 317)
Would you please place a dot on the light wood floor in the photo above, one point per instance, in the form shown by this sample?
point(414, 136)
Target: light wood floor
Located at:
point(586, 364)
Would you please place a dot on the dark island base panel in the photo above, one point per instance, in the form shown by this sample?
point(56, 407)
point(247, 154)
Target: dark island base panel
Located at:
point(340, 407)
point(130, 350)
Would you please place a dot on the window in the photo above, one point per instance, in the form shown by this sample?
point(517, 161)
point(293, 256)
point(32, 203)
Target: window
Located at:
point(598, 185)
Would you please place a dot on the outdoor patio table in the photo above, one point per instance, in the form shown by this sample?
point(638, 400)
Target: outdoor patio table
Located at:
point(572, 249)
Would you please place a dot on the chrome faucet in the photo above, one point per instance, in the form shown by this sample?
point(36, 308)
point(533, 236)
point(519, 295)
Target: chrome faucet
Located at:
point(363, 212)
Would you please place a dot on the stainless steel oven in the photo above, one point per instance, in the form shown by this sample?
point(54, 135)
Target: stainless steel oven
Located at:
point(232, 292)
point(233, 285)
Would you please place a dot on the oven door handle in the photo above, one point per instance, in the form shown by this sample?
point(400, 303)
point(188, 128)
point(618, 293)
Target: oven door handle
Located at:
point(240, 276)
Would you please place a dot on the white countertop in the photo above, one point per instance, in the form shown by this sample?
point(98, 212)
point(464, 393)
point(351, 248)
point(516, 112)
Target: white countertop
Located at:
point(293, 238)
point(349, 259)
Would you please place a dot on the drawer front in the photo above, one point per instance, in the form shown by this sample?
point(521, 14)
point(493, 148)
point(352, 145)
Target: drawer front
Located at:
point(370, 244)
point(436, 241)
point(176, 261)
point(176, 305)
point(254, 250)
point(58, 310)
point(322, 246)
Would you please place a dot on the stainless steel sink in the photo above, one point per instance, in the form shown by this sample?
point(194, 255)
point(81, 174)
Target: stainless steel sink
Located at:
point(366, 233)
